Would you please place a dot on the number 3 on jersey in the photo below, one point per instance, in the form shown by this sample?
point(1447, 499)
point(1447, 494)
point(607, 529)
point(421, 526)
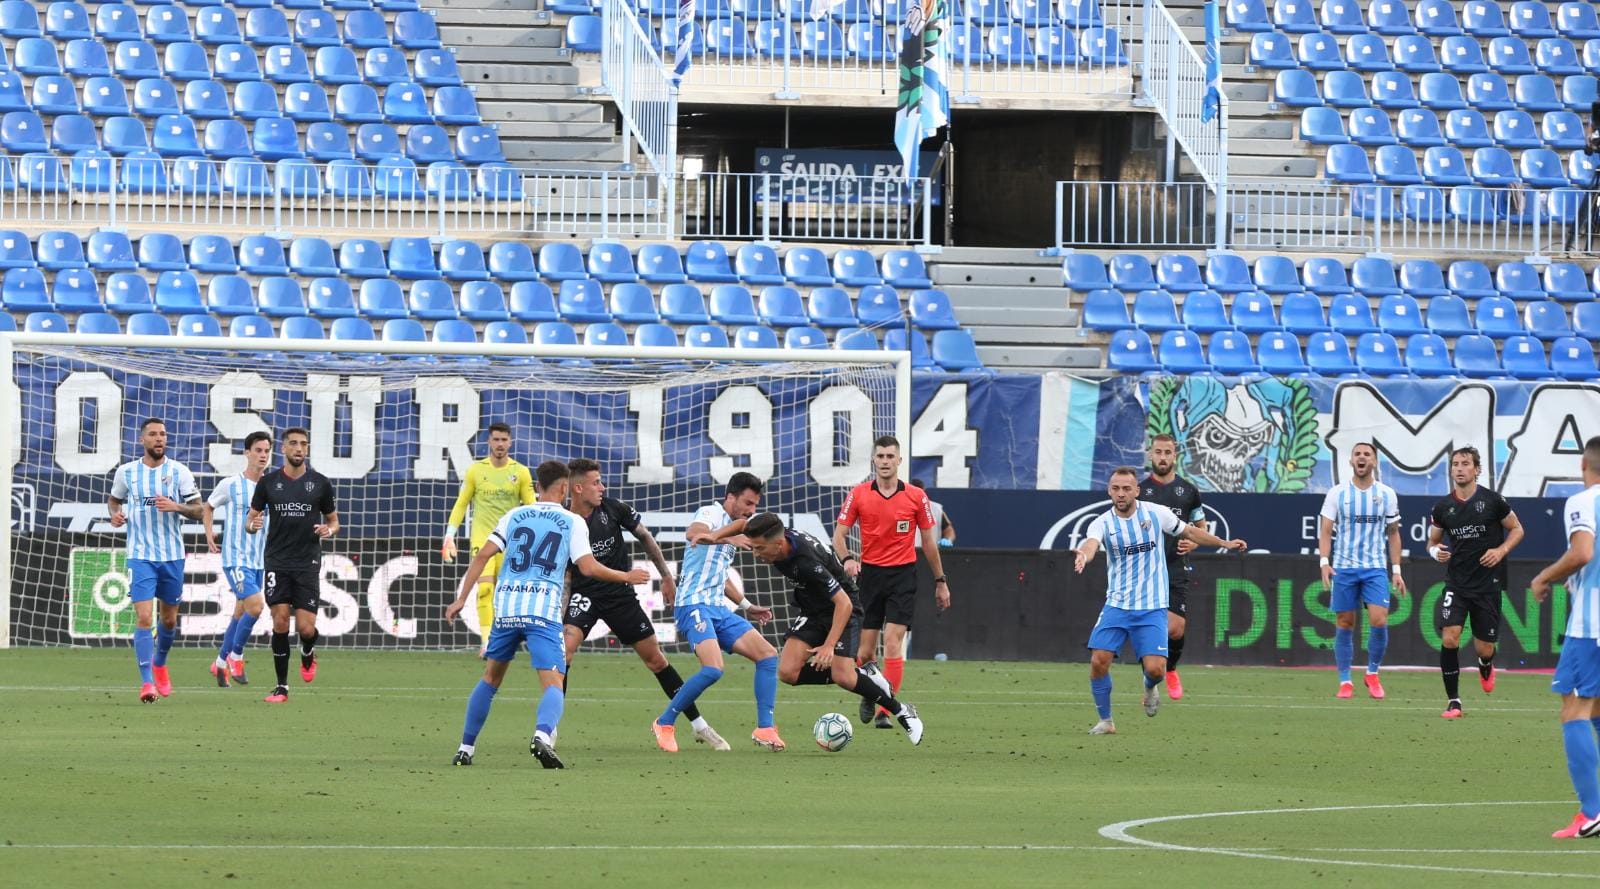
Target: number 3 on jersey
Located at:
point(523, 551)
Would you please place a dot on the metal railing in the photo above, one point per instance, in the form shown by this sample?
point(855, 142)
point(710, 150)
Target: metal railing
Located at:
point(585, 203)
point(246, 195)
point(1068, 48)
point(802, 207)
point(640, 84)
point(1322, 217)
point(1175, 83)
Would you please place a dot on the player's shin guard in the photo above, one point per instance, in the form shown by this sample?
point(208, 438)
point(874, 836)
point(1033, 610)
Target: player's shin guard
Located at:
point(670, 683)
point(1174, 652)
point(144, 651)
point(1450, 667)
point(227, 639)
point(1583, 764)
point(1344, 651)
point(1377, 644)
point(692, 688)
point(1101, 689)
point(164, 639)
point(766, 684)
point(551, 703)
point(866, 688)
point(478, 704)
point(280, 656)
point(241, 636)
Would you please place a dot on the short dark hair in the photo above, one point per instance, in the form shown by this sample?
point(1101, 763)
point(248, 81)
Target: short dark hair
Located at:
point(886, 441)
point(296, 430)
point(1470, 451)
point(744, 481)
point(148, 422)
point(499, 427)
point(550, 472)
point(582, 465)
point(1591, 454)
point(258, 435)
point(1124, 470)
point(1165, 436)
point(918, 483)
point(764, 526)
point(1364, 444)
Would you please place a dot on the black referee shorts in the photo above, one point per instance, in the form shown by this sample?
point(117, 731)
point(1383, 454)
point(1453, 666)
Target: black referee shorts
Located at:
point(888, 595)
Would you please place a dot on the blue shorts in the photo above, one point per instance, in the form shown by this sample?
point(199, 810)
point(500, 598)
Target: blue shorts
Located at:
point(1354, 586)
point(1147, 629)
point(156, 580)
point(1578, 670)
point(697, 623)
point(245, 582)
point(545, 647)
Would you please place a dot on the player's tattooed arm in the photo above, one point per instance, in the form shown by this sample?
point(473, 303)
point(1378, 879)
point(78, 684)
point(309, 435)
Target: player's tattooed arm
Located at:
point(652, 550)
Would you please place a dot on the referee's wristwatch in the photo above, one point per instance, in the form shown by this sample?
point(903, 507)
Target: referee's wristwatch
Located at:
point(940, 579)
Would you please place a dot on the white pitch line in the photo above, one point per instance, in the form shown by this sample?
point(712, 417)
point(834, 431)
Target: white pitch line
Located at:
point(1120, 833)
point(1457, 851)
point(432, 847)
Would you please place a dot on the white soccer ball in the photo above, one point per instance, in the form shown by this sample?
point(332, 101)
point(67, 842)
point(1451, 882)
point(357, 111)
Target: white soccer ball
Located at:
point(832, 732)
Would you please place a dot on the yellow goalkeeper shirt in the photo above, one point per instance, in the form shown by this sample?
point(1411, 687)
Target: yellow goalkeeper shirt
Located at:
point(492, 491)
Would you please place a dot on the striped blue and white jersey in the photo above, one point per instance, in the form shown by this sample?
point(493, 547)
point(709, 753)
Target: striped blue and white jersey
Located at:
point(1583, 588)
point(538, 542)
point(153, 535)
point(705, 568)
point(231, 502)
point(1136, 555)
point(1361, 520)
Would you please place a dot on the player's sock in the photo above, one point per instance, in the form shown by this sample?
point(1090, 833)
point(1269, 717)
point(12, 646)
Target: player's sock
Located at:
point(164, 639)
point(241, 636)
point(670, 683)
point(1174, 652)
point(1150, 682)
point(227, 640)
point(280, 656)
point(869, 690)
point(1344, 651)
point(144, 651)
point(894, 669)
point(692, 688)
point(551, 703)
point(478, 704)
point(1583, 763)
point(307, 646)
point(1485, 665)
point(1377, 644)
point(1450, 666)
point(1101, 689)
point(766, 690)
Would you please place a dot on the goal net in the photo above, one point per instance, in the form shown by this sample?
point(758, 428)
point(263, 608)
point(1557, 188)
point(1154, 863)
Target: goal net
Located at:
point(395, 431)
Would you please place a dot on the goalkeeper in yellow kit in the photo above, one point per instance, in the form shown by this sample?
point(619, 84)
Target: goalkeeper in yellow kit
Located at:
point(492, 486)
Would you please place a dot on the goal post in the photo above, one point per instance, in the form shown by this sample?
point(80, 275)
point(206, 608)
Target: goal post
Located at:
point(395, 426)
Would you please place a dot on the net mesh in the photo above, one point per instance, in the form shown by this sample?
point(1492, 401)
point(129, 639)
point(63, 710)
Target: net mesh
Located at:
point(395, 433)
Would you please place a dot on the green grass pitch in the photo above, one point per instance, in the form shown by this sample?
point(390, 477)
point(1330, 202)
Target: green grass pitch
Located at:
point(350, 783)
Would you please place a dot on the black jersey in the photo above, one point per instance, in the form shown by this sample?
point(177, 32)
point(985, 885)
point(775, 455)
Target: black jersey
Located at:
point(816, 575)
point(606, 526)
point(294, 507)
point(1471, 528)
point(1179, 495)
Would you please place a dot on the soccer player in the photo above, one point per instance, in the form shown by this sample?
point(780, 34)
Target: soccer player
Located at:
point(151, 497)
point(890, 514)
point(617, 604)
point(1360, 518)
point(820, 644)
point(539, 542)
point(1164, 487)
point(303, 515)
point(1136, 588)
point(1483, 531)
point(941, 518)
point(241, 556)
point(1577, 677)
point(492, 486)
point(710, 626)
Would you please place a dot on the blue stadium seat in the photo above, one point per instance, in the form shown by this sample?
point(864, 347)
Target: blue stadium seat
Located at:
point(705, 336)
point(561, 261)
point(1466, 128)
point(1509, 56)
point(1130, 352)
point(312, 258)
point(195, 176)
point(197, 324)
point(1154, 310)
point(316, 28)
point(1342, 17)
point(1131, 272)
point(1253, 312)
point(1546, 319)
point(953, 350)
point(532, 301)
point(608, 261)
point(280, 298)
point(36, 56)
point(1324, 275)
point(102, 97)
point(461, 260)
point(1448, 316)
point(97, 323)
point(1586, 320)
point(229, 295)
point(1516, 129)
point(286, 64)
point(855, 268)
point(1367, 52)
point(1423, 203)
point(1295, 16)
point(904, 269)
point(1482, 18)
point(1489, 92)
point(1345, 89)
point(1102, 46)
point(1518, 280)
point(266, 26)
point(1541, 168)
point(1079, 271)
point(499, 181)
point(1319, 52)
point(416, 30)
point(396, 178)
point(275, 138)
point(1566, 281)
point(1523, 356)
point(376, 141)
point(455, 105)
point(56, 94)
point(1229, 353)
point(1009, 45)
point(1279, 354)
point(436, 67)
point(1378, 355)
point(801, 338)
point(1180, 352)
point(431, 300)
point(633, 303)
point(85, 57)
point(161, 252)
point(1572, 358)
point(604, 334)
point(206, 100)
point(74, 291)
point(655, 336)
point(1461, 55)
point(185, 60)
point(173, 135)
point(479, 145)
point(216, 26)
point(1419, 128)
point(1561, 130)
point(1203, 312)
point(1103, 310)
point(1444, 165)
point(178, 293)
point(237, 63)
point(1328, 354)
point(1400, 316)
point(364, 28)
point(732, 305)
point(755, 336)
point(303, 328)
point(1414, 54)
point(357, 103)
point(128, 293)
point(1389, 18)
point(1557, 57)
point(449, 181)
point(108, 251)
point(1351, 314)
point(1225, 273)
point(225, 139)
point(149, 324)
point(23, 290)
point(1578, 92)
point(1272, 51)
point(1441, 91)
point(1580, 168)
point(135, 59)
point(406, 102)
point(212, 254)
point(1470, 279)
point(1178, 273)
point(22, 132)
point(1242, 15)
point(412, 259)
point(966, 44)
point(262, 256)
point(582, 301)
point(757, 264)
point(505, 333)
point(1425, 356)
point(1497, 316)
point(382, 299)
point(403, 330)
point(1531, 21)
point(19, 19)
point(1348, 164)
point(154, 97)
point(512, 261)
point(684, 304)
point(878, 305)
point(358, 330)
point(822, 40)
point(117, 23)
point(335, 66)
point(708, 261)
point(250, 327)
point(1577, 20)
point(781, 306)
point(1374, 276)
point(329, 142)
point(1397, 165)
point(1274, 273)
point(455, 330)
point(830, 307)
point(58, 250)
point(1474, 204)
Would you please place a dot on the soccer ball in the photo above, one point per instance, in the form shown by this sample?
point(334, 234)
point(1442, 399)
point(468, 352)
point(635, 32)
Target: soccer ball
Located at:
point(832, 732)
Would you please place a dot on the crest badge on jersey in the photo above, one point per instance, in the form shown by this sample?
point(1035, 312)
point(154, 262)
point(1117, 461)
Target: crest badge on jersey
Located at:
point(309, 486)
point(902, 527)
point(1478, 506)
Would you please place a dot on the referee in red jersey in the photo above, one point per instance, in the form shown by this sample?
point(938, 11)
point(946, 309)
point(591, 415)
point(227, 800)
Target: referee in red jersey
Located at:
point(891, 513)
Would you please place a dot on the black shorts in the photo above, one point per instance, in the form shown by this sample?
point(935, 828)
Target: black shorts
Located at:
point(622, 614)
point(300, 588)
point(1482, 610)
point(888, 595)
point(1178, 598)
point(813, 629)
